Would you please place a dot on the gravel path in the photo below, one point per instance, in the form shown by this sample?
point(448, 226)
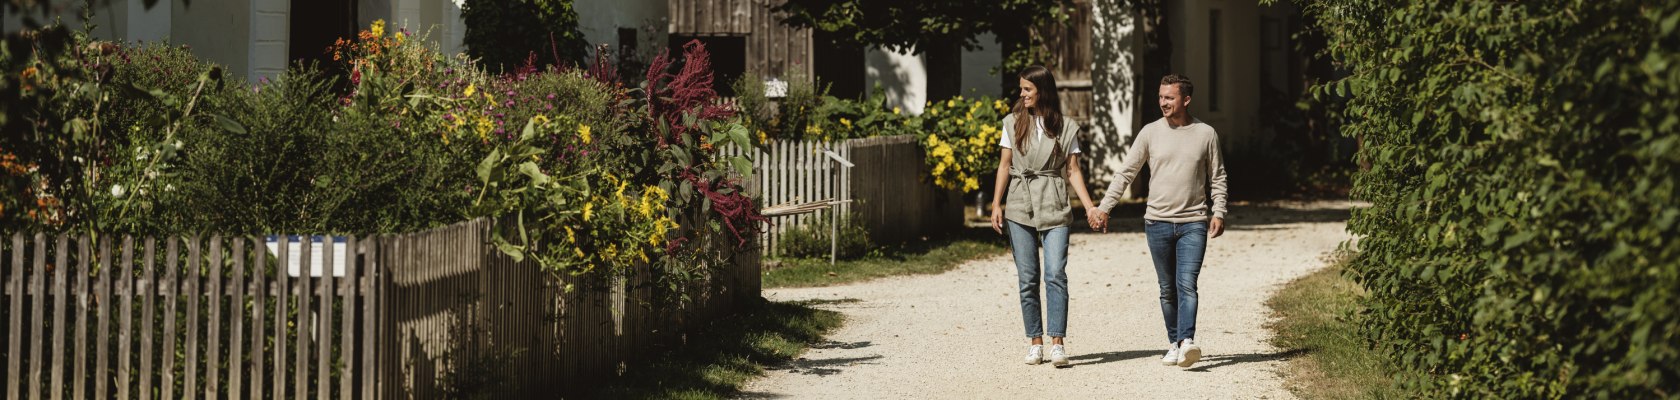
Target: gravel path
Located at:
point(958, 334)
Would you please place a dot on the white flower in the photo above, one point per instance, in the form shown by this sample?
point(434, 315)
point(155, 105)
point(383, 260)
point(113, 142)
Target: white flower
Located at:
point(117, 191)
point(169, 187)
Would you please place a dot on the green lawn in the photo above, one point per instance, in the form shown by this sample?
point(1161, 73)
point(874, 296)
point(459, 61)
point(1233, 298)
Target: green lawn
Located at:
point(1314, 317)
point(930, 256)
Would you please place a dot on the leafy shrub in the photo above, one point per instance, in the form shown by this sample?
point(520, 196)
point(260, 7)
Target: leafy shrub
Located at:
point(959, 136)
point(961, 139)
point(1521, 237)
point(812, 240)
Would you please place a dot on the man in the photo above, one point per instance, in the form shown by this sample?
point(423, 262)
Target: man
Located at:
point(1185, 173)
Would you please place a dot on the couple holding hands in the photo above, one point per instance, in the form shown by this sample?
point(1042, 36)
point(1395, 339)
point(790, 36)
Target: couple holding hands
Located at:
point(1186, 206)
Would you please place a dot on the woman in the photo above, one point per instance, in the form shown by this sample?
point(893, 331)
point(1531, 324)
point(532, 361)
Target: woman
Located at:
point(1039, 145)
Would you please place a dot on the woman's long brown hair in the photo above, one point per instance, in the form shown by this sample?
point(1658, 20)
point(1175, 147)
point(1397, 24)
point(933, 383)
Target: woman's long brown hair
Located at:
point(1048, 107)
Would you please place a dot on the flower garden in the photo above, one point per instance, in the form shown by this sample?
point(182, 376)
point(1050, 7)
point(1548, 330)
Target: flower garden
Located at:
point(589, 172)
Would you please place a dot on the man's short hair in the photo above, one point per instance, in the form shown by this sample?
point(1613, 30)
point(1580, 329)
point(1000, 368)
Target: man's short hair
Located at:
point(1183, 82)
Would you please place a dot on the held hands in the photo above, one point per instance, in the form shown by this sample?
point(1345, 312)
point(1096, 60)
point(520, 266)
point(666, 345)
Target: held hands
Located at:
point(1216, 227)
point(1097, 219)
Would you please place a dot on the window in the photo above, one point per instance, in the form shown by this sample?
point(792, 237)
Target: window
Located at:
point(1214, 67)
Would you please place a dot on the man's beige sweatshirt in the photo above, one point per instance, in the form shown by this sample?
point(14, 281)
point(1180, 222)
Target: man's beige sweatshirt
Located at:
point(1185, 167)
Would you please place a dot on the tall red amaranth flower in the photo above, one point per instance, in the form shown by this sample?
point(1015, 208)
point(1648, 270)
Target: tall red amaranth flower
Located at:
point(689, 92)
point(669, 96)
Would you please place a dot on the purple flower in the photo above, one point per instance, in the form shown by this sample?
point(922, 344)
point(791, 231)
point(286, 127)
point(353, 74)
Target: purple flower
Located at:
point(551, 96)
point(449, 117)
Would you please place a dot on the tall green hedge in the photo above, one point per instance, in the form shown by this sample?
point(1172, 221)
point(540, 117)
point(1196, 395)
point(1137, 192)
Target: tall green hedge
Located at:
point(1522, 240)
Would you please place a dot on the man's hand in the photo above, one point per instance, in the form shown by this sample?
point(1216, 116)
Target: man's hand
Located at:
point(1097, 219)
point(997, 218)
point(1216, 227)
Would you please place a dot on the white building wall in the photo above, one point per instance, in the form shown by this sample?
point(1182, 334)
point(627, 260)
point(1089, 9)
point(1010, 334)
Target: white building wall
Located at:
point(1117, 49)
point(902, 75)
point(599, 21)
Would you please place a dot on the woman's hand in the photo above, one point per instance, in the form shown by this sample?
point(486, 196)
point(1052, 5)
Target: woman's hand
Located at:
point(997, 218)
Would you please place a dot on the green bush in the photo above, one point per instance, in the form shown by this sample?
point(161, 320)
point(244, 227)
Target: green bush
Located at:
point(811, 240)
point(1521, 239)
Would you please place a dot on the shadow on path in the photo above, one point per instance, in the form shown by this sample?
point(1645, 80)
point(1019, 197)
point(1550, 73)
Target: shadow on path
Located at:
point(1112, 356)
point(824, 367)
point(1217, 361)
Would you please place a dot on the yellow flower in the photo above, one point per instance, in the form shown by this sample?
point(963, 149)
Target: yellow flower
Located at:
point(935, 112)
point(762, 137)
point(400, 37)
point(588, 209)
point(583, 132)
point(378, 28)
point(540, 119)
point(483, 128)
point(951, 103)
point(846, 122)
point(570, 238)
point(470, 90)
point(897, 110)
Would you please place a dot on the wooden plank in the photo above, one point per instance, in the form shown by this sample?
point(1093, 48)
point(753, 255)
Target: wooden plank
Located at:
point(125, 329)
point(300, 372)
point(213, 336)
point(14, 335)
point(323, 325)
point(370, 298)
point(38, 302)
point(346, 332)
point(61, 274)
point(282, 301)
point(236, 340)
point(169, 291)
point(192, 291)
point(78, 343)
point(259, 276)
point(148, 289)
point(105, 302)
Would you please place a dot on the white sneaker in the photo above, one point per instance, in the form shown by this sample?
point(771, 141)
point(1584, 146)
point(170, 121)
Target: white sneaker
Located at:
point(1172, 355)
point(1035, 354)
point(1190, 353)
point(1058, 356)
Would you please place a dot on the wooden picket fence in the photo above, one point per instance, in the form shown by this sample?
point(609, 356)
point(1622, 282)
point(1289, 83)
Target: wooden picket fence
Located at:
point(888, 186)
point(91, 316)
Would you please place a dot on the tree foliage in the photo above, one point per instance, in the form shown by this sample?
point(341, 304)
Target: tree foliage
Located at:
point(921, 26)
point(505, 34)
point(1521, 239)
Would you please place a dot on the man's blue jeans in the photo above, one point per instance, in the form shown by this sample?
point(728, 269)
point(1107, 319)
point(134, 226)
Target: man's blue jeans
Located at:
point(1177, 249)
point(1026, 242)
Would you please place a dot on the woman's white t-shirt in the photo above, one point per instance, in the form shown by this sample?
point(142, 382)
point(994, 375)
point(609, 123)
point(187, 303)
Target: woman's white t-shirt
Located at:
point(1008, 137)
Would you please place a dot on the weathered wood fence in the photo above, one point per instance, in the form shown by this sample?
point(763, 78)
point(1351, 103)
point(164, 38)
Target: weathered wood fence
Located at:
point(888, 186)
point(108, 317)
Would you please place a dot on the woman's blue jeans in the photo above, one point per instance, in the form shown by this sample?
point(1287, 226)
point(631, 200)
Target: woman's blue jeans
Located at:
point(1177, 249)
point(1026, 242)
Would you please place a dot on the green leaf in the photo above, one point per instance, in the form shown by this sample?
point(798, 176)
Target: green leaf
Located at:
point(530, 169)
point(228, 124)
point(530, 130)
point(681, 154)
point(486, 167)
point(742, 166)
point(739, 133)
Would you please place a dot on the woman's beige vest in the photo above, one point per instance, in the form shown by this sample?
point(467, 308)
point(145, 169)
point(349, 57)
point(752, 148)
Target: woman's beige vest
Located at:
point(1038, 195)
